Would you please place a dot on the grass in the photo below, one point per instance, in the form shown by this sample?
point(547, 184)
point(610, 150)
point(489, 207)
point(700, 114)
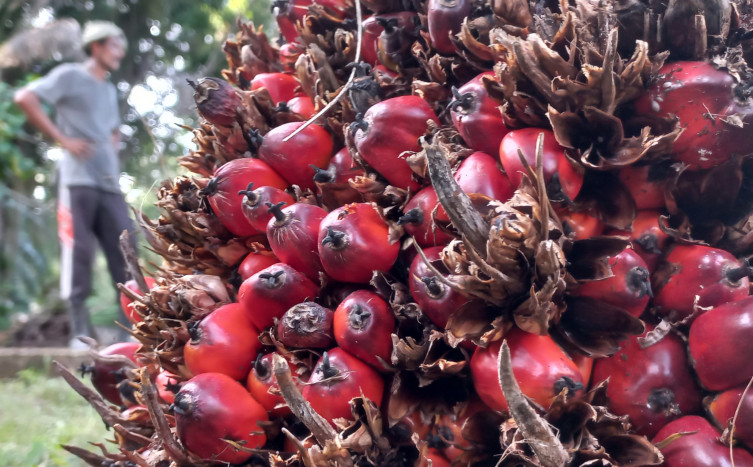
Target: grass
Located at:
point(37, 415)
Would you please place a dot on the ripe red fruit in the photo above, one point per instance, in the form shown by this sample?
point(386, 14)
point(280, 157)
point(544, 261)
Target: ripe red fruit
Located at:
point(648, 239)
point(294, 158)
point(444, 19)
point(301, 105)
point(293, 234)
point(289, 53)
point(216, 101)
point(224, 341)
point(628, 288)
point(418, 222)
point(645, 187)
point(270, 292)
point(388, 129)
point(722, 408)
point(363, 325)
point(254, 204)
point(126, 304)
point(479, 173)
point(306, 325)
point(714, 275)
point(211, 407)
point(261, 381)
point(436, 458)
point(333, 183)
point(287, 13)
point(542, 369)
point(348, 238)
point(653, 385)
point(168, 385)
point(477, 117)
point(337, 378)
point(699, 446)
point(719, 343)
point(569, 177)
point(580, 223)
point(372, 29)
point(255, 262)
point(525, 140)
point(107, 376)
point(702, 99)
point(281, 86)
point(232, 177)
point(437, 300)
point(447, 432)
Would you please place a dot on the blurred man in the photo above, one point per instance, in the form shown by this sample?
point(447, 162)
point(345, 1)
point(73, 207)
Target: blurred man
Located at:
point(91, 206)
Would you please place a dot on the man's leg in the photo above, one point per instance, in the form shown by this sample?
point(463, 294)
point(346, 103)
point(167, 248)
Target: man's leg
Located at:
point(112, 219)
point(76, 214)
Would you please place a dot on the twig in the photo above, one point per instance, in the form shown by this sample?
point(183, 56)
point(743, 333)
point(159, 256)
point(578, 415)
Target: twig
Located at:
point(455, 202)
point(319, 427)
point(701, 37)
point(348, 83)
point(608, 91)
point(131, 436)
point(174, 449)
point(302, 451)
point(132, 261)
point(734, 421)
point(87, 456)
point(536, 431)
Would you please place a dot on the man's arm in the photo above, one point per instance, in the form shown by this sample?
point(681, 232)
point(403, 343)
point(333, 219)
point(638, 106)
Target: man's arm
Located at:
point(115, 140)
point(29, 103)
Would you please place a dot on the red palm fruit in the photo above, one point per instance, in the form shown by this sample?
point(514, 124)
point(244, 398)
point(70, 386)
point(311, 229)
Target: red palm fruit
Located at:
point(254, 204)
point(542, 369)
point(647, 190)
point(524, 139)
point(719, 343)
point(126, 304)
point(580, 224)
point(289, 53)
point(372, 29)
point(306, 325)
point(337, 378)
point(477, 117)
point(301, 105)
point(380, 139)
point(444, 19)
point(216, 100)
point(569, 177)
point(436, 458)
point(333, 183)
point(628, 288)
point(648, 239)
point(168, 385)
point(255, 262)
point(281, 86)
point(699, 446)
point(225, 341)
point(212, 407)
point(107, 376)
point(294, 158)
point(714, 275)
point(348, 236)
point(723, 406)
point(363, 326)
point(585, 366)
point(293, 234)
point(652, 386)
point(270, 292)
point(232, 177)
point(479, 173)
point(418, 222)
point(447, 431)
point(437, 300)
point(261, 383)
point(287, 13)
point(701, 97)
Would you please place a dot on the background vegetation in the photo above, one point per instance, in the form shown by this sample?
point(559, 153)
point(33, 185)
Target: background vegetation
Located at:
point(169, 41)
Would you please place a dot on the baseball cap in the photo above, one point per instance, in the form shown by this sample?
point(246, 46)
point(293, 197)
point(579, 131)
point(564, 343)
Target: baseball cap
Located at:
point(97, 30)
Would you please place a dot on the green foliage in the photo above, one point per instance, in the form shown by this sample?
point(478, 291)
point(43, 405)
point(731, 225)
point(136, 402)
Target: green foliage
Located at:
point(40, 414)
point(13, 162)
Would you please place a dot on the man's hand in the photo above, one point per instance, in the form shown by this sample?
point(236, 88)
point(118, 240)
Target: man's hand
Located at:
point(80, 148)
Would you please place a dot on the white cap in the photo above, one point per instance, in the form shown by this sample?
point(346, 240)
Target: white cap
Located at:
point(97, 30)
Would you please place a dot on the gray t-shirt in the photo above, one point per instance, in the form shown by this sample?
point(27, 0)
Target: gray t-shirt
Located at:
point(87, 108)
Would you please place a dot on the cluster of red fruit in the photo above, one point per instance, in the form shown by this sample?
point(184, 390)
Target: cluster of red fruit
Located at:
point(309, 285)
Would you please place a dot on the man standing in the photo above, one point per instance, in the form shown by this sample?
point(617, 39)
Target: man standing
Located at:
point(91, 206)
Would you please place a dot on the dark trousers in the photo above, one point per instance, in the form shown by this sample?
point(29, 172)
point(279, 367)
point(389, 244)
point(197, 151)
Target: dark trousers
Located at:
point(87, 215)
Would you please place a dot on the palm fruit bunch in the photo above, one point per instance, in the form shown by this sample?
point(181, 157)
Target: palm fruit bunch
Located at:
point(452, 232)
